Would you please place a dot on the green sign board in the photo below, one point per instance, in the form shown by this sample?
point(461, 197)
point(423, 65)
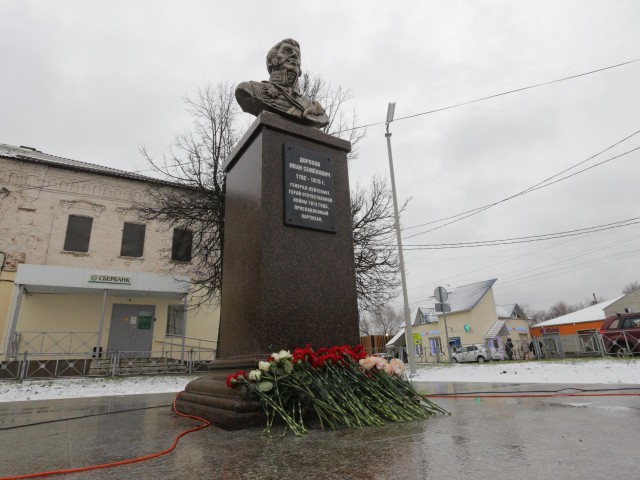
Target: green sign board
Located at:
point(416, 339)
point(144, 321)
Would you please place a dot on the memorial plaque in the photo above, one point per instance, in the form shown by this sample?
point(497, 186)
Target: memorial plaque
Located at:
point(309, 189)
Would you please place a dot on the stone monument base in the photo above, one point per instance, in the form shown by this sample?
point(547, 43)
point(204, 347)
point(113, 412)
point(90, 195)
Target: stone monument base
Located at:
point(210, 398)
point(289, 272)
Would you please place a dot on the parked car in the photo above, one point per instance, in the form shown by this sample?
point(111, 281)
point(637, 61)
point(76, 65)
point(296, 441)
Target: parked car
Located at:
point(621, 335)
point(386, 356)
point(474, 353)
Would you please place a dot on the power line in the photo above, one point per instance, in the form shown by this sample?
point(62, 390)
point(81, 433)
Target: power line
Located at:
point(519, 275)
point(579, 266)
point(519, 89)
point(525, 274)
point(558, 271)
point(571, 258)
point(481, 242)
point(494, 95)
point(533, 238)
point(529, 189)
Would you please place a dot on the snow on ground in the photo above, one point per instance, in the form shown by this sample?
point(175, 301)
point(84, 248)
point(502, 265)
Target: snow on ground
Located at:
point(47, 389)
point(609, 371)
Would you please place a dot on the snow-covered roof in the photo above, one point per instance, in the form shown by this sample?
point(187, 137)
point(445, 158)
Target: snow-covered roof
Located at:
point(589, 314)
point(463, 298)
point(396, 337)
point(29, 154)
point(495, 329)
point(428, 313)
point(505, 311)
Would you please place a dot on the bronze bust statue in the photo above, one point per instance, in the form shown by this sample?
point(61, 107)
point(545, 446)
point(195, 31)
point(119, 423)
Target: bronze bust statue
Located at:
point(280, 94)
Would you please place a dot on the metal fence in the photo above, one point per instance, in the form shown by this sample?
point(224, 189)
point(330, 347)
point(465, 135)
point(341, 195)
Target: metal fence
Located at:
point(45, 366)
point(557, 346)
point(204, 350)
point(169, 359)
point(53, 343)
point(56, 365)
point(73, 354)
point(622, 344)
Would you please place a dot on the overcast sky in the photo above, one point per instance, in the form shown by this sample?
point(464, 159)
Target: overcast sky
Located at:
point(93, 80)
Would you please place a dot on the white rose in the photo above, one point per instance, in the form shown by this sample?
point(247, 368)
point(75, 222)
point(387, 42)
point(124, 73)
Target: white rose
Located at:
point(264, 366)
point(254, 375)
point(284, 354)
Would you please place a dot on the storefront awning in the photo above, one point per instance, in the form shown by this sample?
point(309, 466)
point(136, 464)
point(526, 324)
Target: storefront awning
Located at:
point(397, 340)
point(82, 281)
point(494, 331)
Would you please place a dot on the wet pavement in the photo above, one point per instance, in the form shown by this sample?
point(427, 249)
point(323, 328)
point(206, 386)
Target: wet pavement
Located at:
point(496, 438)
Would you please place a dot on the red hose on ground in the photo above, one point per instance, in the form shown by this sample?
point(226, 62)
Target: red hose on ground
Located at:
point(205, 423)
point(530, 395)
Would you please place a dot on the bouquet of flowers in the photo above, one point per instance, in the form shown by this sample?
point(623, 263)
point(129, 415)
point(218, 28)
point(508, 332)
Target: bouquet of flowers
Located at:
point(341, 385)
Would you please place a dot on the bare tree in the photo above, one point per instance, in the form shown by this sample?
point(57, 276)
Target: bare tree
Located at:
point(376, 257)
point(341, 124)
point(364, 325)
point(561, 308)
point(386, 321)
point(195, 163)
point(375, 250)
point(534, 316)
point(630, 287)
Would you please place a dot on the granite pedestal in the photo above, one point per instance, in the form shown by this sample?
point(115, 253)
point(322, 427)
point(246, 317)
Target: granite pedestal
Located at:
point(288, 264)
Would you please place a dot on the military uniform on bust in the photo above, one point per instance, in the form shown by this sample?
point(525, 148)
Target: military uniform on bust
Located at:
point(280, 94)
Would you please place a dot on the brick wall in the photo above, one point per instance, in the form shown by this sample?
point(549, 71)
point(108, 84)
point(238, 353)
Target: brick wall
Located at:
point(35, 211)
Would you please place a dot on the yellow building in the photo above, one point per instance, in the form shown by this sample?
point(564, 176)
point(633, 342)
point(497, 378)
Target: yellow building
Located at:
point(471, 318)
point(81, 274)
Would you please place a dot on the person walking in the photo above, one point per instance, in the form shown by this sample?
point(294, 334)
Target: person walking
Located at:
point(509, 348)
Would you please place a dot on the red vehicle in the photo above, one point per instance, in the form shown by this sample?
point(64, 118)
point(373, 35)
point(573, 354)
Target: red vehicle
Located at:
point(621, 335)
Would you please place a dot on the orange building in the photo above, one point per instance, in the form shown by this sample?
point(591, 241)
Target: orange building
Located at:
point(581, 322)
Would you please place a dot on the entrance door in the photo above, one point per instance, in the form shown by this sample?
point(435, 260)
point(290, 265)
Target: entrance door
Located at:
point(131, 328)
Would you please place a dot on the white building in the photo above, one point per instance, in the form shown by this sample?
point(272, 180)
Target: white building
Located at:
point(81, 273)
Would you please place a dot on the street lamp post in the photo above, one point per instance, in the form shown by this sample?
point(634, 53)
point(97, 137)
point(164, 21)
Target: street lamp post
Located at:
point(408, 333)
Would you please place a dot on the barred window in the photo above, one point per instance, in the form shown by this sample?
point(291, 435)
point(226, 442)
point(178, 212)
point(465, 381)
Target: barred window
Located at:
point(175, 320)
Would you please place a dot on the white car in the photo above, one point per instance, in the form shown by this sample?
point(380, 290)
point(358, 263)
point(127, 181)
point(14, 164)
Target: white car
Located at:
point(386, 356)
point(474, 353)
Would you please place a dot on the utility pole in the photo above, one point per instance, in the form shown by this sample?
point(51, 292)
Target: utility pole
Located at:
point(441, 295)
point(408, 333)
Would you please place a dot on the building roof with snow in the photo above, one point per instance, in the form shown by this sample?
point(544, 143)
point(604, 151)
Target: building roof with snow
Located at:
point(464, 298)
point(31, 155)
point(589, 314)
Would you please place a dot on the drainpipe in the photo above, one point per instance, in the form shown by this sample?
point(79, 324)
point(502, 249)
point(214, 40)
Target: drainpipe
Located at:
point(101, 325)
point(184, 328)
point(13, 319)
